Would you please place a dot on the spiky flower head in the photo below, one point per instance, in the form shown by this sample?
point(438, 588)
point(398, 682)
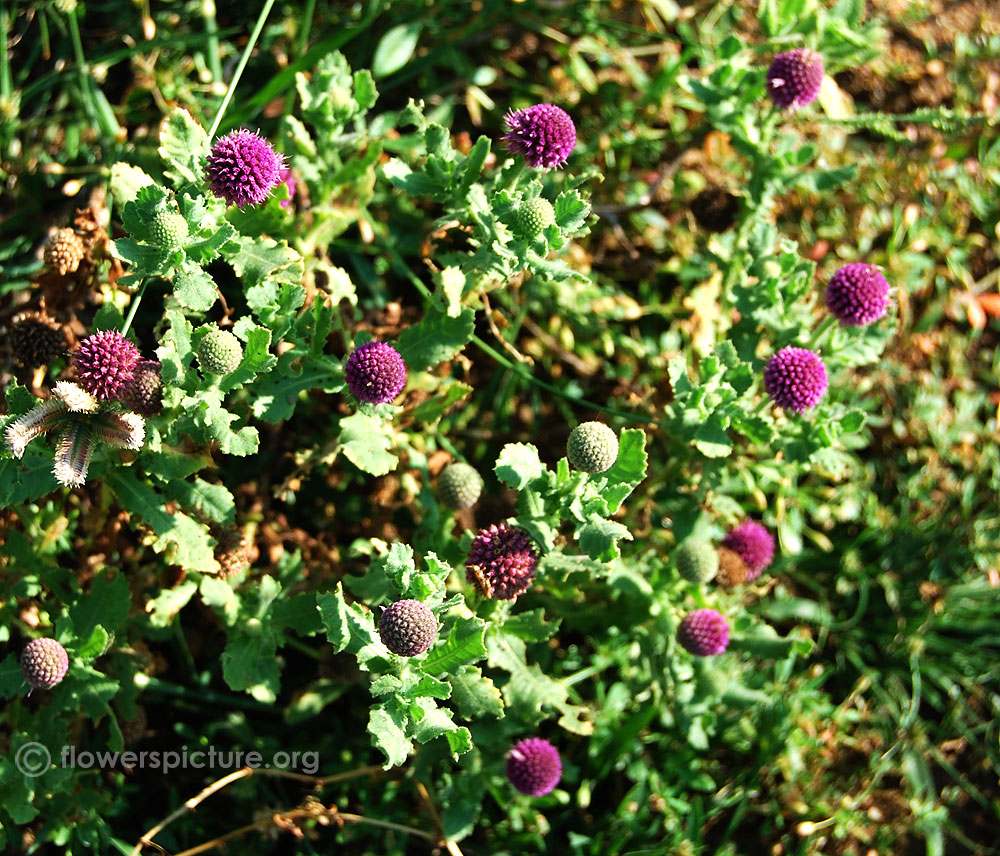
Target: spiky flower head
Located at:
point(697, 561)
point(795, 378)
point(44, 663)
point(375, 372)
point(794, 78)
point(732, 569)
point(460, 485)
point(754, 544)
point(592, 447)
point(81, 421)
point(104, 363)
point(243, 169)
point(534, 216)
point(145, 393)
point(408, 628)
point(502, 561)
point(543, 133)
point(233, 551)
point(704, 632)
point(168, 230)
point(858, 294)
point(219, 352)
point(35, 339)
point(64, 251)
point(534, 766)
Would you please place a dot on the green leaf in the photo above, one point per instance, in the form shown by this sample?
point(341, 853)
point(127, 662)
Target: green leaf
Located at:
point(571, 211)
point(183, 541)
point(366, 442)
point(464, 645)
point(126, 182)
point(263, 265)
point(474, 694)
point(432, 409)
point(194, 288)
point(105, 605)
point(184, 145)
point(712, 440)
point(256, 359)
point(249, 664)
point(11, 676)
point(628, 470)
point(95, 645)
point(387, 726)
point(599, 538)
point(162, 608)
point(436, 338)
point(398, 566)
point(518, 465)
point(395, 49)
point(333, 613)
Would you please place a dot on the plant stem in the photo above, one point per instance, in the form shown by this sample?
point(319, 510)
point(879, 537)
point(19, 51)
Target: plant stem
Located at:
point(134, 307)
point(82, 69)
point(820, 333)
point(212, 29)
point(261, 19)
point(307, 19)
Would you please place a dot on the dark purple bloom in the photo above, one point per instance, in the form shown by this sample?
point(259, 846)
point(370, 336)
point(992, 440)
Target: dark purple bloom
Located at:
point(145, 393)
point(44, 663)
point(794, 78)
point(754, 545)
point(375, 373)
point(543, 133)
point(502, 561)
point(104, 364)
point(534, 766)
point(858, 294)
point(704, 632)
point(795, 378)
point(408, 628)
point(243, 169)
point(286, 176)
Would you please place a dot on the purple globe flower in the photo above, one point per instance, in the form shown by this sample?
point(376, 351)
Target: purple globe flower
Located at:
point(858, 294)
point(794, 78)
point(543, 133)
point(105, 363)
point(534, 766)
point(243, 169)
point(795, 378)
point(44, 663)
point(502, 562)
point(754, 545)
point(375, 373)
point(704, 632)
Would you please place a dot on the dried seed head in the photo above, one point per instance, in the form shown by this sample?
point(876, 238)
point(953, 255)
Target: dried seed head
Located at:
point(35, 339)
point(64, 251)
point(732, 569)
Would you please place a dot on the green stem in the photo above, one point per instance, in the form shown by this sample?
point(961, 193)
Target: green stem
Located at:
point(134, 307)
point(307, 19)
point(199, 694)
point(212, 30)
point(257, 30)
point(6, 85)
point(82, 68)
point(298, 645)
point(820, 333)
point(516, 369)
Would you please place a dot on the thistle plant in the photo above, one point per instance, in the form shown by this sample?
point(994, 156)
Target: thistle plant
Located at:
point(80, 421)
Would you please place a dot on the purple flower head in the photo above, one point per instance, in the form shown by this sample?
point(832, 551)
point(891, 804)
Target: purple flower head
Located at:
point(534, 766)
point(145, 393)
point(286, 176)
point(375, 373)
point(44, 663)
point(794, 78)
point(243, 169)
point(543, 133)
point(105, 363)
point(754, 545)
point(704, 632)
point(795, 378)
point(502, 561)
point(408, 627)
point(858, 294)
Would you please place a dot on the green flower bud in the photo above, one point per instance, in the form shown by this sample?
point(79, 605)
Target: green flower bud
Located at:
point(534, 216)
point(592, 447)
point(220, 352)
